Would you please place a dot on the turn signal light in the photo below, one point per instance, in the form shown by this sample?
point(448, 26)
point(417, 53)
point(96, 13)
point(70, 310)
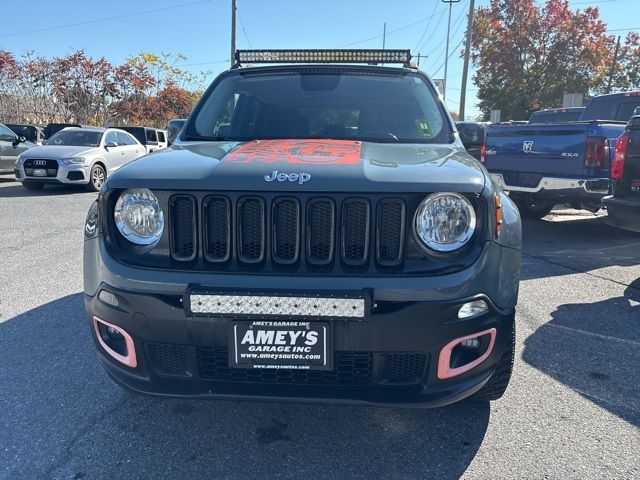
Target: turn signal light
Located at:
point(498, 207)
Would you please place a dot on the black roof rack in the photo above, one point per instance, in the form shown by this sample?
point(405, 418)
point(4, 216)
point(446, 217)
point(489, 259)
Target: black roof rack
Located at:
point(368, 56)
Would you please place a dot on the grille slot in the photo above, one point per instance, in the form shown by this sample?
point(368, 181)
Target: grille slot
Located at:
point(390, 232)
point(169, 359)
point(355, 231)
point(351, 368)
point(182, 211)
point(321, 231)
point(217, 229)
point(286, 230)
point(403, 368)
point(251, 236)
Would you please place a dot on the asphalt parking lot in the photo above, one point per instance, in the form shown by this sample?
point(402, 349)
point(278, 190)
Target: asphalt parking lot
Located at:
point(572, 410)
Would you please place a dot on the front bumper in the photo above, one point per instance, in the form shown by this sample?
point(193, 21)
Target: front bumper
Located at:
point(623, 212)
point(75, 174)
point(391, 358)
point(558, 186)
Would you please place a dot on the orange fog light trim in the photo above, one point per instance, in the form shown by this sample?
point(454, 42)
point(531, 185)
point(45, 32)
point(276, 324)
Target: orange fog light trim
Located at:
point(130, 359)
point(444, 361)
point(498, 205)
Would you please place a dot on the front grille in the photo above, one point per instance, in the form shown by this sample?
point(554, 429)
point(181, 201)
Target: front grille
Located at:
point(251, 237)
point(390, 232)
point(355, 231)
point(286, 230)
point(321, 233)
point(31, 164)
point(169, 359)
point(350, 368)
point(182, 212)
point(217, 229)
point(403, 368)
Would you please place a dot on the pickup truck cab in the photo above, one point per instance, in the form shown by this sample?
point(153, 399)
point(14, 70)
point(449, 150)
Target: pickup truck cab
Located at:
point(333, 242)
point(545, 164)
point(623, 207)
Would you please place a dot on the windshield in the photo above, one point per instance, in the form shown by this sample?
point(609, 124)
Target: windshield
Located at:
point(376, 107)
point(555, 117)
point(76, 138)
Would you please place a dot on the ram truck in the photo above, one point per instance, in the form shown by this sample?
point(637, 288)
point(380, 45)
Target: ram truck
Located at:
point(333, 242)
point(542, 165)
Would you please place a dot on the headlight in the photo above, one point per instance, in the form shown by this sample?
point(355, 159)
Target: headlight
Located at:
point(445, 221)
point(72, 160)
point(139, 217)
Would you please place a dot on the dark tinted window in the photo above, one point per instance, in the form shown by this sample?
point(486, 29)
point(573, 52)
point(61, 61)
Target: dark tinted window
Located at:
point(627, 109)
point(555, 116)
point(6, 135)
point(125, 139)
point(27, 131)
point(353, 105)
point(151, 136)
point(612, 108)
point(78, 138)
point(161, 138)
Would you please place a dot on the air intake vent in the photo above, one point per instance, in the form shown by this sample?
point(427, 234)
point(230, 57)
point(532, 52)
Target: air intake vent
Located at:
point(390, 232)
point(355, 231)
point(251, 237)
point(286, 230)
point(217, 229)
point(183, 227)
point(321, 231)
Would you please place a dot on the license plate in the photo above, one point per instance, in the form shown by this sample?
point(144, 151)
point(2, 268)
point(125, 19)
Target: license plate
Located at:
point(280, 344)
point(40, 172)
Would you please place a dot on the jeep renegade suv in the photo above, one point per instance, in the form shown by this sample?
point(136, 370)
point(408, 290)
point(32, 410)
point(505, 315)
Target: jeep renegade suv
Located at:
point(316, 233)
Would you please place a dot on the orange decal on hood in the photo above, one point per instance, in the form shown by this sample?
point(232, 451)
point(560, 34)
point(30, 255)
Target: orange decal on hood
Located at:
point(343, 152)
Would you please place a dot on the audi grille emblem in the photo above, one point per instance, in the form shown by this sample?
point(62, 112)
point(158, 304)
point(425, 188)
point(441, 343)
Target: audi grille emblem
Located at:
point(40, 163)
point(527, 146)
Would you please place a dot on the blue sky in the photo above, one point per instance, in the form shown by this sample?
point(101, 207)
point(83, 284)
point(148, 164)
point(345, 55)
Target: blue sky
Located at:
point(200, 29)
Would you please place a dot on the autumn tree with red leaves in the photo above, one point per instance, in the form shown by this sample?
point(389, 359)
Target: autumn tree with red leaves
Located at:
point(526, 57)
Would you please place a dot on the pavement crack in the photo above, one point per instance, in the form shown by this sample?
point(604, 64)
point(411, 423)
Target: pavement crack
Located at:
point(67, 452)
point(577, 270)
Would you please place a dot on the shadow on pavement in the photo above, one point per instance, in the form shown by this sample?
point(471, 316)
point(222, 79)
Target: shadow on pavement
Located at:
point(582, 245)
point(63, 418)
point(594, 348)
point(18, 191)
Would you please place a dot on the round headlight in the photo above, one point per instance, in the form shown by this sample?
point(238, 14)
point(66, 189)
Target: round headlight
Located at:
point(139, 217)
point(445, 221)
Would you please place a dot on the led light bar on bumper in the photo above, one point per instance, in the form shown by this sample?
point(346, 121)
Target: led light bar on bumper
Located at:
point(372, 56)
point(275, 306)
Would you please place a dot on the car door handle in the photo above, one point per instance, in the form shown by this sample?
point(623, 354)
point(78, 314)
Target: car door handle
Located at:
point(121, 153)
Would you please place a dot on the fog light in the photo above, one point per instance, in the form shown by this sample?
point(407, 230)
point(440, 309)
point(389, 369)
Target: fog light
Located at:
point(471, 343)
point(116, 342)
point(471, 309)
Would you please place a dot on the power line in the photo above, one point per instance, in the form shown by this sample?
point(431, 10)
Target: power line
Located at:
point(623, 29)
point(424, 32)
point(426, 42)
point(404, 27)
point(244, 31)
point(457, 25)
point(450, 55)
point(98, 20)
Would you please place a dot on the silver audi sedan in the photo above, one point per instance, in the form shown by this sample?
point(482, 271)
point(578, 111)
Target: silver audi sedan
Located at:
point(77, 156)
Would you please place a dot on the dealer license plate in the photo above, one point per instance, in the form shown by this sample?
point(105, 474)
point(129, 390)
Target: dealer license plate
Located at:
point(280, 344)
point(40, 172)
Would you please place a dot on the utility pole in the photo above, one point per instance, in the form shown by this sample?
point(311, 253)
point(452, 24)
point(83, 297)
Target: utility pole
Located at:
point(446, 54)
point(467, 54)
point(613, 65)
point(233, 32)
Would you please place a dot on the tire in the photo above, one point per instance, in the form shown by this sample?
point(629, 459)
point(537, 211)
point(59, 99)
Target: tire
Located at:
point(96, 178)
point(497, 384)
point(33, 186)
point(532, 209)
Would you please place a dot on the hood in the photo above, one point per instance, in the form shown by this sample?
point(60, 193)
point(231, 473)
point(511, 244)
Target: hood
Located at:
point(56, 151)
point(305, 166)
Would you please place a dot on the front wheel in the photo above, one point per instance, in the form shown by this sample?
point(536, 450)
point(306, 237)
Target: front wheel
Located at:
point(97, 178)
point(497, 384)
point(530, 208)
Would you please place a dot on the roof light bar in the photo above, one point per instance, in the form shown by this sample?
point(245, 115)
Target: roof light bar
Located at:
point(371, 56)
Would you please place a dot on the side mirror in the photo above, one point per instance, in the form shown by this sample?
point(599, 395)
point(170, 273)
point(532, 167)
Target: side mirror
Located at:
point(18, 140)
point(109, 145)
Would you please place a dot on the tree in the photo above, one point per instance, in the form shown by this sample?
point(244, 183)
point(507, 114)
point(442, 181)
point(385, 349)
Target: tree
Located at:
point(527, 57)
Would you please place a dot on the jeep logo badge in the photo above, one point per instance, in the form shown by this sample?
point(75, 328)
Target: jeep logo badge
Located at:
point(527, 146)
point(301, 177)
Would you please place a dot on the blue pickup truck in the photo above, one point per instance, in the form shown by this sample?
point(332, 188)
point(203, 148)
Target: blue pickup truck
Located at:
point(542, 165)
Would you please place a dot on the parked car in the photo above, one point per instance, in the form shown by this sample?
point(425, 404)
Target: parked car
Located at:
point(11, 146)
point(173, 129)
point(472, 135)
point(52, 128)
point(378, 266)
point(32, 133)
point(77, 156)
point(623, 207)
point(545, 164)
point(557, 115)
point(147, 136)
